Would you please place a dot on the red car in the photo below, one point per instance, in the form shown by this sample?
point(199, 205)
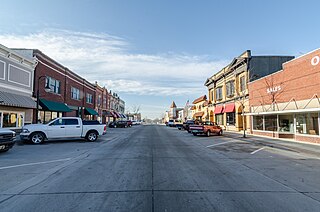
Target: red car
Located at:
point(129, 123)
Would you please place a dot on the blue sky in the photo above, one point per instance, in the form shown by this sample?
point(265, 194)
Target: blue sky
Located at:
point(153, 52)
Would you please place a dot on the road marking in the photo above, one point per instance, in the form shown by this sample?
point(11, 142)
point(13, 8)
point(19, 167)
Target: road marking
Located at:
point(220, 143)
point(30, 164)
point(258, 150)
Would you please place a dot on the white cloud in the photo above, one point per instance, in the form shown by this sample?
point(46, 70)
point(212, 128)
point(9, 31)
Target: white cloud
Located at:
point(107, 59)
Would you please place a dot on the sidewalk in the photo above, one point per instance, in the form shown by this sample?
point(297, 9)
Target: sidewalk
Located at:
point(303, 147)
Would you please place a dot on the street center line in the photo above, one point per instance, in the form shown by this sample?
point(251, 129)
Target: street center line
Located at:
point(220, 143)
point(30, 164)
point(258, 150)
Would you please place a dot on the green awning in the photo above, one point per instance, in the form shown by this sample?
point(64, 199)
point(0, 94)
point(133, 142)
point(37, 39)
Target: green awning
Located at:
point(53, 106)
point(89, 111)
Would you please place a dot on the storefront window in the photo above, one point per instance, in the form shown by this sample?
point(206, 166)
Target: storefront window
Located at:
point(219, 119)
point(230, 118)
point(286, 123)
point(47, 116)
point(20, 120)
point(307, 123)
point(9, 120)
point(270, 123)
point(258, 122)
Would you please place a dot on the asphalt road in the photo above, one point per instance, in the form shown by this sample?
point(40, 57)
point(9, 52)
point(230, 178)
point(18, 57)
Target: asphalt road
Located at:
point(156, 168)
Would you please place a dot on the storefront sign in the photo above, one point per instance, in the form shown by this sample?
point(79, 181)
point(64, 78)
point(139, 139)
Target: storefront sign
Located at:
point(315, 60)
point(274, 89)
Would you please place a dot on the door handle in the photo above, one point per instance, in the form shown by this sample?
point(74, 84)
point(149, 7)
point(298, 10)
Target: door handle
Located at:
point(77, 126)
point(61, 127)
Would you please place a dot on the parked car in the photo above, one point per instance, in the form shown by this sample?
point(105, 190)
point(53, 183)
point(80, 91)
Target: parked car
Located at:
point(207, 128)
point(187, 124)
point(63, 128)
point(6, 139)
point(171, 123)
point(179, 125)
point(129, 123)
point(118, 124)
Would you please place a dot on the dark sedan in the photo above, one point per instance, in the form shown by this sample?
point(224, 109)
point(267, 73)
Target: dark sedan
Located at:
point(118, 124)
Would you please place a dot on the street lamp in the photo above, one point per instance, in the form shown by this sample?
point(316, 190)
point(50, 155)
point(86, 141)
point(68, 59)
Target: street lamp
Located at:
point(47, 89)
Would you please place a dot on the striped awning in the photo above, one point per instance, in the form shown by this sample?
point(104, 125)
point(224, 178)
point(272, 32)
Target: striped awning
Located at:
point(16, 100)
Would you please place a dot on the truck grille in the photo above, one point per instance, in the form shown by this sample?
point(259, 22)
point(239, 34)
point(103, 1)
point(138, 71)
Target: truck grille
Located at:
point(5, 137)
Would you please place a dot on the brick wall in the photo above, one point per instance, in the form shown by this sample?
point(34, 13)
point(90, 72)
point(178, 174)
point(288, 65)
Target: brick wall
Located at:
point(299, 79)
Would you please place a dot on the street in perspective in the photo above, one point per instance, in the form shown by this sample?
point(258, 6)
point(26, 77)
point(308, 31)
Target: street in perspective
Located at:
point(159, 168)
point(159, 106)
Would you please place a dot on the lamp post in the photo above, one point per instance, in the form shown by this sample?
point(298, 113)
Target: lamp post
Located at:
point(47, 89)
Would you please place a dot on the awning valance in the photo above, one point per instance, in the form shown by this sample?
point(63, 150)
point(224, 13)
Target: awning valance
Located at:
point(53, 106)
point(229, 108)
point(198, 114)
point(90, 111)
point(218, 109)
point(10, 99)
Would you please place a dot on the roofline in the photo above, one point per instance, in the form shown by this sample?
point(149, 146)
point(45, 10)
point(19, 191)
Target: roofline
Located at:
point(301, 56)
point(11, 51)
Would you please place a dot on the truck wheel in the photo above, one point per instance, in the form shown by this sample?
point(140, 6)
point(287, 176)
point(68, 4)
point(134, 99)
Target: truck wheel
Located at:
point(92, 136)
point(195, 134)
point(37, 138)
point(4, 150)
point(208, 133)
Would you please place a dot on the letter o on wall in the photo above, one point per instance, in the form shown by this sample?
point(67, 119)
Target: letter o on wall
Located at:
point(315, 60)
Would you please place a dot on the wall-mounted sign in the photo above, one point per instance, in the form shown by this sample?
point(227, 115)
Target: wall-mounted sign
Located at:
point(274, 89)
point(315, 60)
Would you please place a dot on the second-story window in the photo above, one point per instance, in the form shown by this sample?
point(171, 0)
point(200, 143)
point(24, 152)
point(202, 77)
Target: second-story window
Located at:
point(230, 88)
point(53, 84)
point(219, 93)
point(99, 100)
point(89, 98)
point(242, 83)
point(104, 101)
point(75, 93)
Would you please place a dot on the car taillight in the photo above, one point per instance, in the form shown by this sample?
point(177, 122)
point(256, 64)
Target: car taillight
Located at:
point(105, 128)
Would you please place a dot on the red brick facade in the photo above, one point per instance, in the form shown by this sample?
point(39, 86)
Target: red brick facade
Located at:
point(299, 79)
point(291, 97)
point(49, 68)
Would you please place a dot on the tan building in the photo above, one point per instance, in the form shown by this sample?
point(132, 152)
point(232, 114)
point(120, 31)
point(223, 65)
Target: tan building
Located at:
point(200, 108)
point(228, 90)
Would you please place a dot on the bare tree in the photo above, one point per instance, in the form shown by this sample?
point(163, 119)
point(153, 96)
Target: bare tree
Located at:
point(274, 90)
point(135, 109)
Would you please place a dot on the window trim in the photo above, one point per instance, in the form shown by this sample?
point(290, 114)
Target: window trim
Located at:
point(73, 93)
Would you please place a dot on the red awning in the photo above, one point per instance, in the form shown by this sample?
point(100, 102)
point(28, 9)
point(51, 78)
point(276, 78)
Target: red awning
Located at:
point(198, 114)
point(218, 109)
point(229, 108)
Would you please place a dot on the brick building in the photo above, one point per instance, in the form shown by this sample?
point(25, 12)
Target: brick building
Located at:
point(69, 95)
point(286, 104)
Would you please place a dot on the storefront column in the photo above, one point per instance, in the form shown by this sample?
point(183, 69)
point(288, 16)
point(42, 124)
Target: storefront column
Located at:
point(277, 123)
point(294, 125)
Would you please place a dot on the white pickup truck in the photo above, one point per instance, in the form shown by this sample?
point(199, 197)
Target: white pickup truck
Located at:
point(63, 128)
